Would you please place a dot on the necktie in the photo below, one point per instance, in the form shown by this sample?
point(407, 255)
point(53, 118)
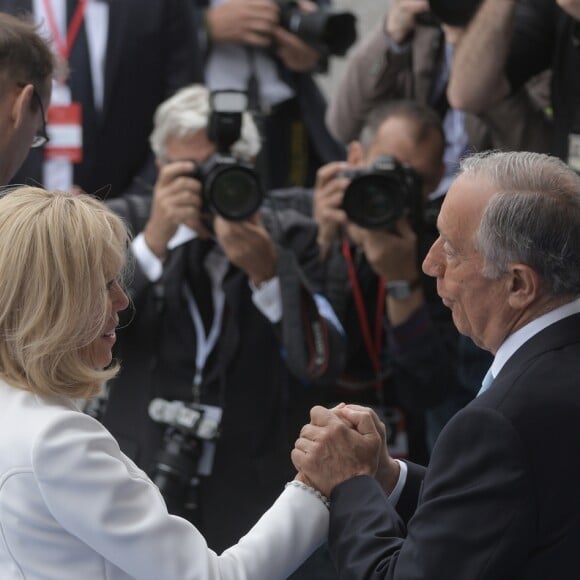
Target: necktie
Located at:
point(198, 279)
point(487, 380)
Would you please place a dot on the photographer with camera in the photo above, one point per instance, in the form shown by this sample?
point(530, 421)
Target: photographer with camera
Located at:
point(410, 56)
point(270, 48)
point(229, 335)
point(510, 41)
point(376, 224)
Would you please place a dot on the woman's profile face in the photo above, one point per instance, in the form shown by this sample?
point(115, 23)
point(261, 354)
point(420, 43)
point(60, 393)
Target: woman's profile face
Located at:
point(100, 351)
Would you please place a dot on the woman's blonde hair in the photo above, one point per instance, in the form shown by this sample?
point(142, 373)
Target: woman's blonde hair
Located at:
point(58, 251)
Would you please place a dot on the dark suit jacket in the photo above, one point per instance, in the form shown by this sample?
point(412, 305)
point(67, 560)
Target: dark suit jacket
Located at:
point(151, 52)
point(500, 498)
point(258, 372)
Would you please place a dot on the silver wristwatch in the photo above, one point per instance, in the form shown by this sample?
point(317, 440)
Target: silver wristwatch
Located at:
point(401, 289)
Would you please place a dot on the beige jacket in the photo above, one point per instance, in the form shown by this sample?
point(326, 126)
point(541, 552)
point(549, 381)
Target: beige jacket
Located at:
point(374, 74)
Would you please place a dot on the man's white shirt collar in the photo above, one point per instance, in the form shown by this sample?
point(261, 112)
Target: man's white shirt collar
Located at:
point(514, 341)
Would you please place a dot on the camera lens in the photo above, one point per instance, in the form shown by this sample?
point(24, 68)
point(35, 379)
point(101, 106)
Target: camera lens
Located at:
point(374, 201)
point(234, 192)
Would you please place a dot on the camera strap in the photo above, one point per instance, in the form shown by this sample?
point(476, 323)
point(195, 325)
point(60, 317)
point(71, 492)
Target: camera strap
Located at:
point(373, 342)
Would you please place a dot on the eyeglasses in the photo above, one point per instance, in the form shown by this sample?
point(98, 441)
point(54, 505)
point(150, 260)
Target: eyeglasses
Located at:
point(41, 138)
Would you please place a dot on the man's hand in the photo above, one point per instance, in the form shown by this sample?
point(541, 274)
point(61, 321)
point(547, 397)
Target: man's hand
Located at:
point(400, 21)
point(331, 450)
point(327, 201)
point(388, 469)
point(176, 200)
point(392, 255)
point(572, 7)
point(251, 22)
point(248, 246)
point(296, 55)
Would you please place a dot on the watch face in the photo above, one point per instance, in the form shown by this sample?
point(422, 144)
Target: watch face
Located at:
point(399, 289)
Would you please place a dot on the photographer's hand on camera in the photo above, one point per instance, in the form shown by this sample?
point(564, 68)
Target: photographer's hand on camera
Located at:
point(400, 21)
point(296, 54)
point(248, 246)
point(249, 22)
point(393, 255)
point(327, 200)
point(176, 200)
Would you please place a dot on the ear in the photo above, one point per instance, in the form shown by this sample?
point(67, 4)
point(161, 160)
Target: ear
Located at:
point(355, 154)
point(21, 105)
point(525, 286)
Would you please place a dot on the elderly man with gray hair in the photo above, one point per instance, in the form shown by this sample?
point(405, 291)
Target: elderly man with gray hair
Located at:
point(500, 497)
point(229, 327)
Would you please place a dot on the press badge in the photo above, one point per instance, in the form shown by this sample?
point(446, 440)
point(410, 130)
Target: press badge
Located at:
point(65, 131)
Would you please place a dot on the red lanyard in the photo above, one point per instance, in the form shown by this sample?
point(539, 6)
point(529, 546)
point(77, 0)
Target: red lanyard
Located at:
point(64, 48)
point(373, 344)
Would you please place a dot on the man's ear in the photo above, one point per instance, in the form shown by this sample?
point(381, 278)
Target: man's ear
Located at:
point(525, 286)
point(355, 154)
point(21, 105)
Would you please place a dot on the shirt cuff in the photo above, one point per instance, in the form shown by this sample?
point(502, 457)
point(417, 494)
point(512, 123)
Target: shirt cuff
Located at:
point(395, 495)
point(149, 263)
point(396, 47)
point(267, 298)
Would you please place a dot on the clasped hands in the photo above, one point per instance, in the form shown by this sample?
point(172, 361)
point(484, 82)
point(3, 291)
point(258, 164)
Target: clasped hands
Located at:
point(341, 443)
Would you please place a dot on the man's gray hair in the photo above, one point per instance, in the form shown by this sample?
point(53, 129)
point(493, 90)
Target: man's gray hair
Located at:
point(186, 113)
point(533, 219)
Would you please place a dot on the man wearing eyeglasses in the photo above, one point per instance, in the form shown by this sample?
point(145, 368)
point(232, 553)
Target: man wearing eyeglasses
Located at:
point(27, 66)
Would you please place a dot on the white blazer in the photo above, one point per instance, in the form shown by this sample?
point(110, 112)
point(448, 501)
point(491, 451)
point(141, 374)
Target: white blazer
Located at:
point(73, 506)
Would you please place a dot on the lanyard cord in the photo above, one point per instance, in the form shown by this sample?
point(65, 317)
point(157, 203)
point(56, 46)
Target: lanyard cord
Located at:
point(64, 48)
point(373, 345)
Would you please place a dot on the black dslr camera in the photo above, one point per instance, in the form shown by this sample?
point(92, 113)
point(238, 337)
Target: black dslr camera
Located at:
point(330, 32)
point(379, 195)
point(231, 187)
point(176, 467)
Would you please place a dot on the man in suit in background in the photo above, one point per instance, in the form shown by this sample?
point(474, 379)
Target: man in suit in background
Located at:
point(500, 497)
point(246, 46)
point(26, 69)
point(123, 59)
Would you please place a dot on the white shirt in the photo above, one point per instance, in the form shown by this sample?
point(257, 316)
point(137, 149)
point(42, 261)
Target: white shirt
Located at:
point(266, 298)
point(229, 67)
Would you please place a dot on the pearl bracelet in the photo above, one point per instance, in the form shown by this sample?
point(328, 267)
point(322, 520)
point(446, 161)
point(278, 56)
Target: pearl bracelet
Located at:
point(299, 484)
